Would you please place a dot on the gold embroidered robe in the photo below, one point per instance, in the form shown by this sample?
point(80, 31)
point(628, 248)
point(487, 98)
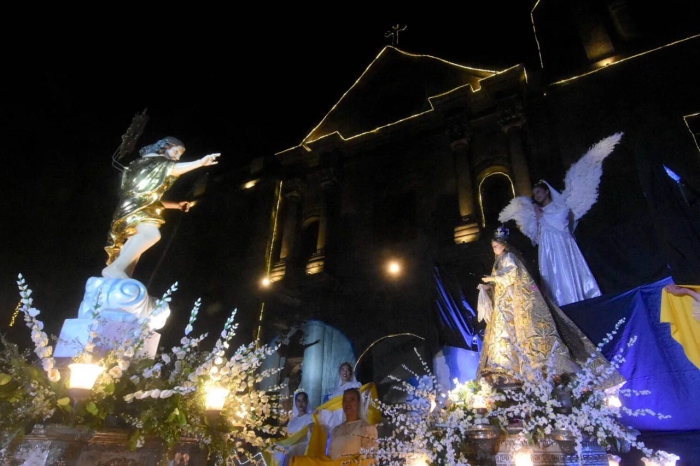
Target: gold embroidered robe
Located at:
point(521, 317)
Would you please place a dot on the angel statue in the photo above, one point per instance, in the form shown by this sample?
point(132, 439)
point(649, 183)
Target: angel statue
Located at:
point(549, 219)
point(137, 219)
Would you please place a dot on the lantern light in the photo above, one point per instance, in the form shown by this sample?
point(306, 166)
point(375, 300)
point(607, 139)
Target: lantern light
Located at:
point(82, 379)
point(215, 399)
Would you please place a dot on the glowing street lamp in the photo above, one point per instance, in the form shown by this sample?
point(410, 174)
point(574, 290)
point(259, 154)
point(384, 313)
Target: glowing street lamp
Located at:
point(265, 282)
point(394, 268)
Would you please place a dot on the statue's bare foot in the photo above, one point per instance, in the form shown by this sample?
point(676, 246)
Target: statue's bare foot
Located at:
point(113, 272)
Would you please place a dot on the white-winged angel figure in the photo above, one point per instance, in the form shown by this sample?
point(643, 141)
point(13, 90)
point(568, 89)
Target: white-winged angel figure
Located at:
point(549, 219)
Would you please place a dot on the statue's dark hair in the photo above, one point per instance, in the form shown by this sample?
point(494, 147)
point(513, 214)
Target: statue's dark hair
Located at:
point(161, 146)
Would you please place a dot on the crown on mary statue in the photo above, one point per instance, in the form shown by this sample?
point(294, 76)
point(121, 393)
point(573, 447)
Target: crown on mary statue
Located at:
point(501, 233)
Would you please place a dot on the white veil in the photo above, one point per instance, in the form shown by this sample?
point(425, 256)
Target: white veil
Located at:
point(295, 410)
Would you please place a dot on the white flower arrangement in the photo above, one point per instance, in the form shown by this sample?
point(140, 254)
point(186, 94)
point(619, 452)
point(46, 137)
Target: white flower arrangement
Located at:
point(539, 403)
point(420, 429)
point(40, 339)
point(541, 406)
point(160, 398)
point(661, 458)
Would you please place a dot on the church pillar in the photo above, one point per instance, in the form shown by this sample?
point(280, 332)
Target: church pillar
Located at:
point(316, 263)
point(468, 229)
point(512, 122)
point(290, 228)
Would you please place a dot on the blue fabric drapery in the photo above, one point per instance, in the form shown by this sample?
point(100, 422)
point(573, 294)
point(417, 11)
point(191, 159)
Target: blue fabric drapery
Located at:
point(457, 318)
point(655, 362)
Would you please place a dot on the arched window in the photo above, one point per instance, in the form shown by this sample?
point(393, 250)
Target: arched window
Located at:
point(495, 192)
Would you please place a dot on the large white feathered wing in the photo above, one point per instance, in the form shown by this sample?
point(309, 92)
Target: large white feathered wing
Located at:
point(522, 210)
point(583, 177)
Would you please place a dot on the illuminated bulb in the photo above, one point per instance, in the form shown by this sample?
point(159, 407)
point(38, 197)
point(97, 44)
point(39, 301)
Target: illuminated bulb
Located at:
point(84, 376)
point(216, 397)
point(394, 268)
point(613, 460)
point(265, 282)
point(613, 401)
point(479, 402)
point(433, 405)
point(250, 184)
point(416, 459)
point(522, 457)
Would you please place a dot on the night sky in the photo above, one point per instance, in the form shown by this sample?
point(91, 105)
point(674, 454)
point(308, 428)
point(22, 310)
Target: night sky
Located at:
point(243, 83)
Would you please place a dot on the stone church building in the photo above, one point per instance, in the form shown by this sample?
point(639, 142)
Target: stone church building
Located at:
point(410, 168)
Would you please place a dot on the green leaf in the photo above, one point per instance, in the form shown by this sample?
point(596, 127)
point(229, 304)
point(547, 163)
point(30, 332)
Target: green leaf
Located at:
point(134, 439)
point(174, 415)
point(67, 408)
point(182, 419)
point(109, 388)
point(5, 378)
point(91, 408)
point(63, 401)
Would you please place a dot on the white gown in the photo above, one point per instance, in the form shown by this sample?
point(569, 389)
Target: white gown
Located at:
point(565, 274)
point(296, 423)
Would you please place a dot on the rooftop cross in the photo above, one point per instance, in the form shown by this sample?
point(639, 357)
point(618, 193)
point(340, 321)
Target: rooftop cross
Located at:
point(394, 34)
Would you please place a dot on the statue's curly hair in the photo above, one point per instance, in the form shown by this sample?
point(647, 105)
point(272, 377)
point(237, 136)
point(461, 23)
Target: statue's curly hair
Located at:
point(161, 146)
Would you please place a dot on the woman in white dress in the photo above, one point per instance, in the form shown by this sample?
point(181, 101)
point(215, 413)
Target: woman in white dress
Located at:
point(566, 277)
point(298, 430)
point(549, 219)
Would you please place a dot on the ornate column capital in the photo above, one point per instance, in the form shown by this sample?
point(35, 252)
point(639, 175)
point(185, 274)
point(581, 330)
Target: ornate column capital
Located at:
point(510, 115)
point(328, 177)
point(295, 188)
point(458, 131)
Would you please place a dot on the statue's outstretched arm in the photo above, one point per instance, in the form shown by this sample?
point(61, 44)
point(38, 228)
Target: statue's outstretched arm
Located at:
point(183, 167)
point(182, 205)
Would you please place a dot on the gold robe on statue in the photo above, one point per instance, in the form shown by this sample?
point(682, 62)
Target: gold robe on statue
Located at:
point(143, 184)
point(542, 331)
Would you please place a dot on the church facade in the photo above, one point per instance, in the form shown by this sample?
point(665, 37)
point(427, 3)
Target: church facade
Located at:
point(382, 215)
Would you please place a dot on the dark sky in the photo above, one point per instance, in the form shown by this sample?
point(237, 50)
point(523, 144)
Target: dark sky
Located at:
point(246, 84)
